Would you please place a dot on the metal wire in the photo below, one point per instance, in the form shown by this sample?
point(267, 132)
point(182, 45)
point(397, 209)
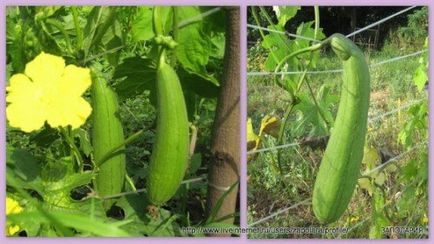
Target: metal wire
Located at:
point(396, 158)
point(370, 120)
point(378, 117)
point(198, 17)
point(188, 181)
point(282, 32)
point(374, 65)
point(380, 21)
point(348, 35)
point(280, 212)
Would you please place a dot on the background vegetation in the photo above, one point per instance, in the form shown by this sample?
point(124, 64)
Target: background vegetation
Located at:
point(58, 199)
point(283, 179)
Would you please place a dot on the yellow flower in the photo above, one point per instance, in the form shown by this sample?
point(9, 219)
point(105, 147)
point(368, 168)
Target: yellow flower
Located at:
point(12, 207)
point(252, 138)
point(48, 91)
point(424, 219)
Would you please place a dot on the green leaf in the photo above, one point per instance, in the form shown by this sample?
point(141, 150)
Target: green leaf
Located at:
point(285, 13)
point(141, 27)
point(365, 183)
point(420, 77)
point(194, 48)
point(14, 180)
point(202, 86)
point(310, 114)
point(80, 222)
point(137, 75)
point(214, 211)
point(99, 21)
point(195, 163)
point(85, 144)
point(26, 166)
point(409, 171)
point(405, 203)
point(45, 137)
point(214, 23)
point(279, 46)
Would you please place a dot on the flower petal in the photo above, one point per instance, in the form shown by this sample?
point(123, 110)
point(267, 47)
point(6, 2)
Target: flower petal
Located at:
point(45, 69)
point(26, 109)
point(75, 79)
point(71, 110)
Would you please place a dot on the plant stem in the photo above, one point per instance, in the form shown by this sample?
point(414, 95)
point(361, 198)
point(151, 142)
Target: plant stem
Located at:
point(104, 27)
point(267, 16)
point(255, 16)
point(78, 32)
point(175, 34)
point(156, 21)
point(73, 148)
point(60, 28)
point(317, 21)
point(115, 149)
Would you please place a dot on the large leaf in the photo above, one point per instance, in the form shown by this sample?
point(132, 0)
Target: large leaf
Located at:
point(194, 49)
point(285, 13)
point(26, 166)
point(311, 114)
point(198, 84)
point(81, 222)
point(136, 75)
point(141, 222)
point(141, 26)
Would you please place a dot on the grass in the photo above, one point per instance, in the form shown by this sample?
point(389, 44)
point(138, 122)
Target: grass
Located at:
point(269, 190)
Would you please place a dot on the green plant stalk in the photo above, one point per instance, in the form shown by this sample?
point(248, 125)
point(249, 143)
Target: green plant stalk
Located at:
point(255, 16)
point(175, 29)
point(157, 24)
point(291, 106)
point(73, 148)
point(267, 16)
point(104, 27)
point(115, 150)
point(296, 53)
point(282, 130)
point(317, 21)
point(11, 181)
point(78, 32)
point(320, 110)
point(130, 182)
point(59, 27)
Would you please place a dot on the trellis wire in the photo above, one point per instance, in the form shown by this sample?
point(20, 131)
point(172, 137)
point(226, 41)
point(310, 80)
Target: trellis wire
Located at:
point(396, 158)
point(374, 65)
point(367, 218)
point(201, 178)
point(380, 21)
point(348, 35)
point(398, 58)
point(280, 212)
point(273, 148)
point(373, 119)
point(282, 32)
point(198, 17)
point(370, 120)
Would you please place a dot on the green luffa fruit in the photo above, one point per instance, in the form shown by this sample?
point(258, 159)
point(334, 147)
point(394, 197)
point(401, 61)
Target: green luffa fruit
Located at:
point(340, 166)
point(107, 133)
point(169, 157)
